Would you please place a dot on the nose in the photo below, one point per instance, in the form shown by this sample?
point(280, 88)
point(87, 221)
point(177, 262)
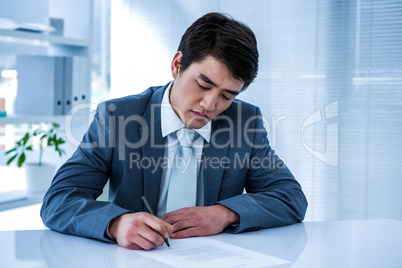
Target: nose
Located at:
point(208, 101)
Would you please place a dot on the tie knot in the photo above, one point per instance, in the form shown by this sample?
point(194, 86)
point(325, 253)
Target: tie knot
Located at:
point(186, 137)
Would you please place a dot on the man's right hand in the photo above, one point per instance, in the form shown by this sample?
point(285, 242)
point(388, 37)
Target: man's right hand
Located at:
point(139, 230)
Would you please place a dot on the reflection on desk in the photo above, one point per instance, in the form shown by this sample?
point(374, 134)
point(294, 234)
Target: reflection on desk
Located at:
point(372, 243)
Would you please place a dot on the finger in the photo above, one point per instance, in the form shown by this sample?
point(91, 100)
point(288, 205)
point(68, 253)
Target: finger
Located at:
point(178, 215)
point(135, 241)
point(189, 232)
point(144, 243)
point(130, 245)
point(159, 226)
point(141, 231)
point(168, 216)
point(153, 237)
point(169, 219)
point(181, 225)
point(169, 229)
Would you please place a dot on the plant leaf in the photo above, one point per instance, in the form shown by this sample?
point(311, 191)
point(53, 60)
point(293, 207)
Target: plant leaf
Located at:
point(11, 150)
point(29, 148)
point(61, 151)
point(21, 160)
point(25, 139)
point(11, 159)
point(37, 132)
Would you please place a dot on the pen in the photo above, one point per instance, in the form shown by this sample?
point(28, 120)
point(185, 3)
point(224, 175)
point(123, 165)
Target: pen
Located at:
point(152, 212)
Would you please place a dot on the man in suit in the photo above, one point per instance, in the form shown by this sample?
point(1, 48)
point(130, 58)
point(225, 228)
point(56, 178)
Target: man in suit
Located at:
point(135, 141)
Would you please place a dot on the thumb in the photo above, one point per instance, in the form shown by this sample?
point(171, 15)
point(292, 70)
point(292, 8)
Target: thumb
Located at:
point(168, 227)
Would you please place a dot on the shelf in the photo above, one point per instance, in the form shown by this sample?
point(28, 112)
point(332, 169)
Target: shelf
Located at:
point(32, 119)
point(38, 38)
point(43, 76)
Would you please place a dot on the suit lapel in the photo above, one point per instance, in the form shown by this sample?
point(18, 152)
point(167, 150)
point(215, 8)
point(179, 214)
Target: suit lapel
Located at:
point(213, 173)
point(152, 148)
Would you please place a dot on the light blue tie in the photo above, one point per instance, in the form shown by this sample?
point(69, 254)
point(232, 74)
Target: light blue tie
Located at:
point(183, 178)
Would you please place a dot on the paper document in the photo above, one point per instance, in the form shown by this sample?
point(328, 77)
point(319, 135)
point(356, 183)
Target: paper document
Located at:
point(208, 252)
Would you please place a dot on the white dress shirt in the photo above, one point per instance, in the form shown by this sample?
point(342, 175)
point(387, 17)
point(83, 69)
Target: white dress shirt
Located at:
point(170, 123)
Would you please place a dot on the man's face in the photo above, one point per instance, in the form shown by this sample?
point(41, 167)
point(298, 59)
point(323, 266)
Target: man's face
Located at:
point(202, 91)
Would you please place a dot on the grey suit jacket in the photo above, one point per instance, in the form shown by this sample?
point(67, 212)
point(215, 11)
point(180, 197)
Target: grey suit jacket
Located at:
point(124, 145)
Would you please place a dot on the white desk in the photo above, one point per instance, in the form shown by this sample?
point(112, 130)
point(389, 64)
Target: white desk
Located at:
point(371, 243)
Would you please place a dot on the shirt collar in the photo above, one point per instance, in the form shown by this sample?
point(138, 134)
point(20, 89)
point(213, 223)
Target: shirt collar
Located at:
point(171, 122)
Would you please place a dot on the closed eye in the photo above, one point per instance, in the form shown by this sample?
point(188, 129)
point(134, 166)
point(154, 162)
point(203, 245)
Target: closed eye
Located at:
point(204, 88)
point(225, 97)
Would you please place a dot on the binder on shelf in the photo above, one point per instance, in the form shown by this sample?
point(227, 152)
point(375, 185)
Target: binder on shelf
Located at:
point(50, 85)
point(76, 82)
point(40, 85)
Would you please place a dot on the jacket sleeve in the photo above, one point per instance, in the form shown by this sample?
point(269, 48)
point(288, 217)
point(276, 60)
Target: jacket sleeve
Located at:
point(70, 205)
point(273, 196)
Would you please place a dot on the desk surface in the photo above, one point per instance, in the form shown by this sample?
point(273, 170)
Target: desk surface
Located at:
point(370, 243)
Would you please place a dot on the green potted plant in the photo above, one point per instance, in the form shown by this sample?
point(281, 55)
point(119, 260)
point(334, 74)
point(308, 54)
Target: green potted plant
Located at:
point(38, 174)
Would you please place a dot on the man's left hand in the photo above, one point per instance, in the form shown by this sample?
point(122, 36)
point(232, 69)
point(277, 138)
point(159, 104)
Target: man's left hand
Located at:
point(200, 221)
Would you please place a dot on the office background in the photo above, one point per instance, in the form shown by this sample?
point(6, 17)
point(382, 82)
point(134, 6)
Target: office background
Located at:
point(329, 86)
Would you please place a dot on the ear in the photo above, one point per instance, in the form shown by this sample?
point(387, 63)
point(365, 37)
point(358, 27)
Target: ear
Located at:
point(176, 64)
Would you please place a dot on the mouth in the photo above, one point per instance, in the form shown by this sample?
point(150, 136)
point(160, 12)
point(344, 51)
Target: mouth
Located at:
point(200, 115)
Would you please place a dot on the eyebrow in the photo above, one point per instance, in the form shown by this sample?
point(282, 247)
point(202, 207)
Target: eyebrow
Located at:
point(209, 81)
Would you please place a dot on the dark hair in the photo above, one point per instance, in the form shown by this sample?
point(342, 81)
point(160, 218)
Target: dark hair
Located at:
point(227, 40)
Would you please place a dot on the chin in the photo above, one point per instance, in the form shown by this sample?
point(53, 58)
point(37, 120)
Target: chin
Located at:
point(196, 124)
